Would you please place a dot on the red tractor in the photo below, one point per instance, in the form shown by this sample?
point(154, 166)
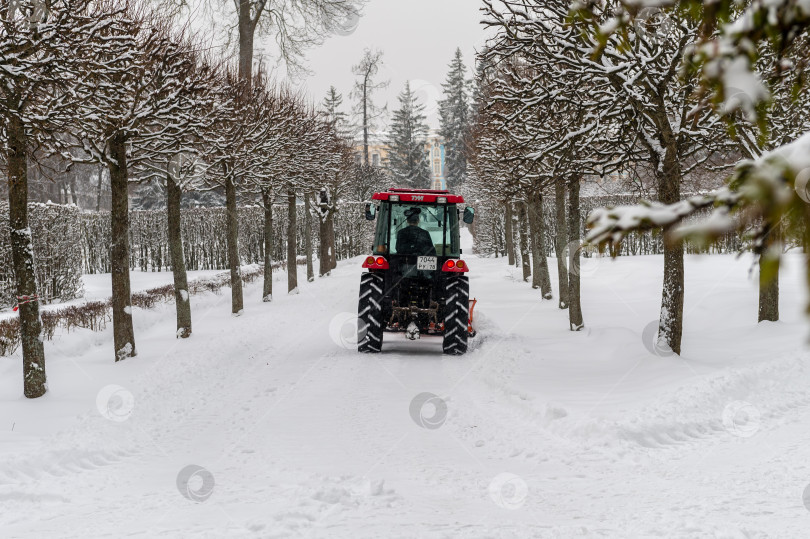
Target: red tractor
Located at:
point(416, 281)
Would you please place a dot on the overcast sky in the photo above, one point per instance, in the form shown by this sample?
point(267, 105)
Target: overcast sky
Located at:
point(418, 38)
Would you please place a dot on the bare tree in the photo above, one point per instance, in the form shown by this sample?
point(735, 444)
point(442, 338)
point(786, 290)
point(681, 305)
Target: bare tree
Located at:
point(365, 87)
point(236, 145)
point(540, 276)
point(575, 319)
point(308, 237)
point(561, 241)
point(183, 151)
point(769, 193)
point(40, 92)
point(336, 180)
point(630, 106)
point(294, 25)
point(292, 247)
point(138, 69)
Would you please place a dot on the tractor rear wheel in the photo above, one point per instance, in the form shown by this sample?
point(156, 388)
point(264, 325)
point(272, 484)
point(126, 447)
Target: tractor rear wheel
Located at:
point(369, 313)
point(456, 315)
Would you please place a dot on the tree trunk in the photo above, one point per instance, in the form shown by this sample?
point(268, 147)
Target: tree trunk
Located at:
point(247, 29)
point(324, 264)
point(574, 250)
point(267, 291)
point(365, 122)
point(292, 251)
point(181, 294)
point(22, 255)
point(232, 219)
point(73, 195)
point(769, 284)
point(100, 184)
point(326, 229)
point(560, 241)
point(540, 276)
point(510, 237)
point(330, 230)
point(670, 322)
point(806, 242)
point(123, 333)
point(516, 230)
point(308, 238)
point(523, 226)
point(495, 239)
point(535, 252)
point(327, 245)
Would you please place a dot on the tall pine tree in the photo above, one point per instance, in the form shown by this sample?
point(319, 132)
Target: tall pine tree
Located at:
point(454, 114)
point(335, 117)
point(407, 137)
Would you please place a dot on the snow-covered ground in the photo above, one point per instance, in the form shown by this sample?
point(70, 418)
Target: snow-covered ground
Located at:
point(537, 432)
point(99, 286)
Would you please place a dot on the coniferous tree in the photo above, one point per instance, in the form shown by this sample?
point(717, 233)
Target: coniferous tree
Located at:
point(335, 117)
point(454, 114)
point(407, 158)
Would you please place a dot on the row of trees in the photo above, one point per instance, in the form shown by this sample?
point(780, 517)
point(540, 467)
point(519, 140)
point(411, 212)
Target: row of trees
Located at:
point(559, 101)
point(117, 86)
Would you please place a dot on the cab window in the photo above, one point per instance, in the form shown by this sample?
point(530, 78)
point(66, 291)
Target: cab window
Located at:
point(381, 234)
point(441, 222)
point(431, 219)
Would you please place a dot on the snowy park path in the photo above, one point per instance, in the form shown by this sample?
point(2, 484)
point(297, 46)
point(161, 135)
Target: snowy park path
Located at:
point(547, 433)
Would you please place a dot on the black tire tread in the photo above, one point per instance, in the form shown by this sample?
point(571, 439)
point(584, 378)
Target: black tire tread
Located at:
point(370, 324)
point(456, 315)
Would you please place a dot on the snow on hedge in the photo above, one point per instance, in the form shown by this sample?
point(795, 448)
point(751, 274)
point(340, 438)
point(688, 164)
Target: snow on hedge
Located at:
point(56, 233)
point(204, 244)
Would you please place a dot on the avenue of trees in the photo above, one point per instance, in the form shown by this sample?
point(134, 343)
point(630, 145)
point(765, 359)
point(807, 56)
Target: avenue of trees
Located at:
point(567, 94)
point(700, 107)
point(118, 88)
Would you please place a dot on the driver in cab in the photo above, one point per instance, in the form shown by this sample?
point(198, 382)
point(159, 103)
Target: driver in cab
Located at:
point(413, 240)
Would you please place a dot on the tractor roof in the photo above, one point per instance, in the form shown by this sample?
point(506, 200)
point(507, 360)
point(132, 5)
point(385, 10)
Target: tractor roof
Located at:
point(419, 195)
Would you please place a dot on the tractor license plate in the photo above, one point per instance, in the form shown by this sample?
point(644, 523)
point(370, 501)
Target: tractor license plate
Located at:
point(426, 263)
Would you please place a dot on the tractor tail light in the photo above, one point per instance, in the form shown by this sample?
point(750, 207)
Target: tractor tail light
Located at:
point(379, 263)
point(456, 266)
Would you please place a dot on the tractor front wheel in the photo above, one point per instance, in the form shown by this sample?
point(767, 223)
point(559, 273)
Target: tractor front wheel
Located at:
point(456, 315)
point(369, 313)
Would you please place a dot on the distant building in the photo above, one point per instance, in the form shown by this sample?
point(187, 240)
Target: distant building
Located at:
point(377, 151)
point(434, 150)
point(436, 153)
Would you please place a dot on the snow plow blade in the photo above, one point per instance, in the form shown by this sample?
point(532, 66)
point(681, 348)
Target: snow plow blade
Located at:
point(470, 329)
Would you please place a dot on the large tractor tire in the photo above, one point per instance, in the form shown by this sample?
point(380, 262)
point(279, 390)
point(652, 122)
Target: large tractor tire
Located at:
point(370, 324)
point(456, 315)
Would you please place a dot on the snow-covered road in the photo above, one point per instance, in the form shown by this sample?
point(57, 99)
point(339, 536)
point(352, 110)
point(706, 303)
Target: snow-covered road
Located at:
point(537, 432)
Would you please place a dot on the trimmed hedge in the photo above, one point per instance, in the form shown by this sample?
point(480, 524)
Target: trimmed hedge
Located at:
point(56, 231)
point(204, 243)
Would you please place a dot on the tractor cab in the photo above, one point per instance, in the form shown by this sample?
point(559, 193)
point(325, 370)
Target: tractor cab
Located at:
point(416, 273)
point(401, 219)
